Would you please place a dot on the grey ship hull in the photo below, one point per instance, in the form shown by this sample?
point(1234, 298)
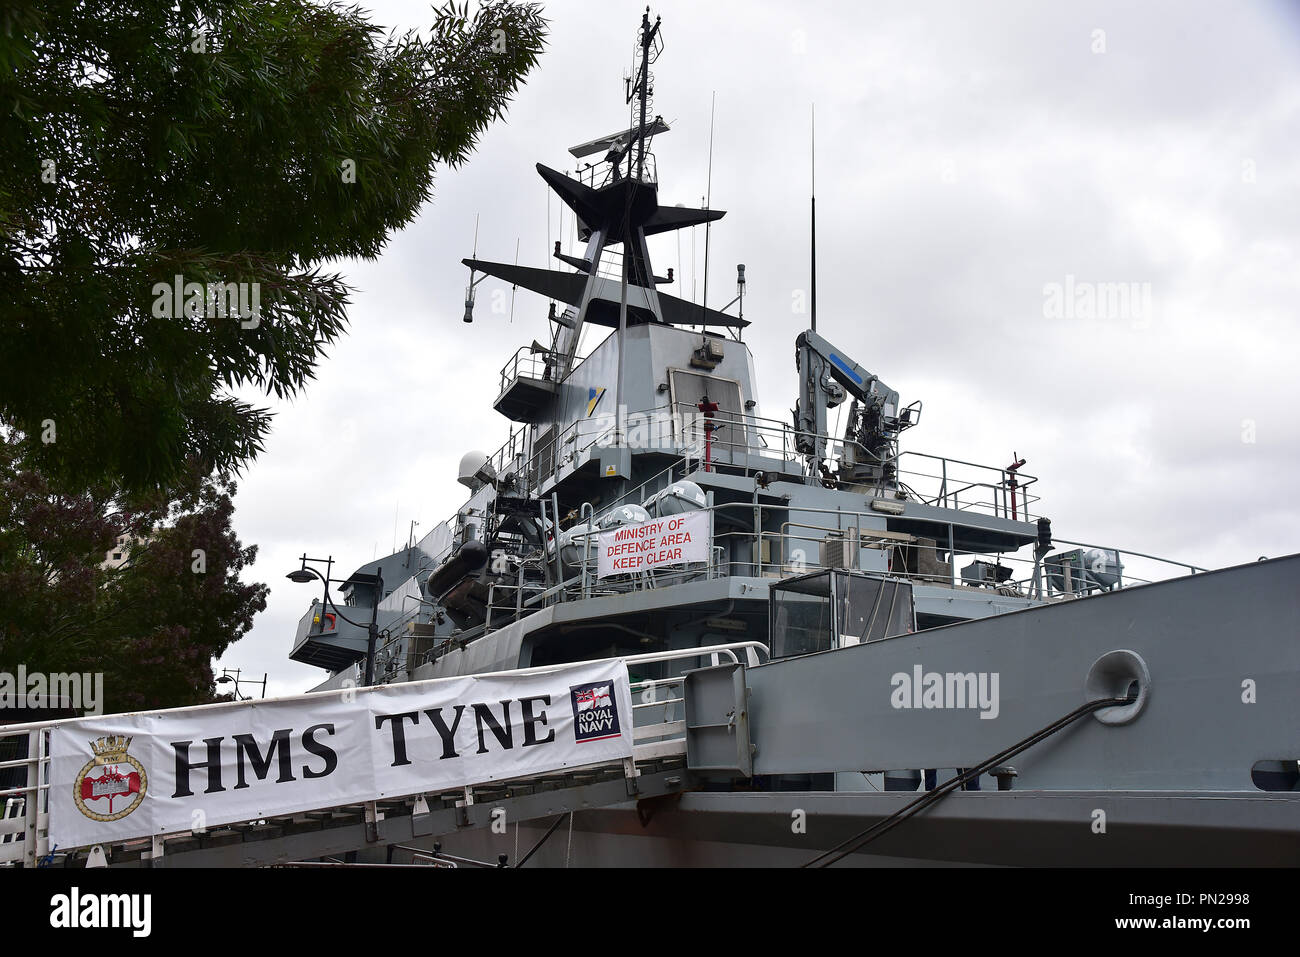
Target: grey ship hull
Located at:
point(989, 828)
point(1174, 783)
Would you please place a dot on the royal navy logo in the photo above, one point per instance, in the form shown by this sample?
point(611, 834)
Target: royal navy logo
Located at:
point(112, 784)
point(595, 713)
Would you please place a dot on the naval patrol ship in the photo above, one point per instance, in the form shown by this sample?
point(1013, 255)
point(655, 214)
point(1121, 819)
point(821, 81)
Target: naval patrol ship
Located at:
point(875, 655)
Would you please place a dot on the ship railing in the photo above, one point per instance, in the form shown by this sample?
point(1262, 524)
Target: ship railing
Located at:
point(736, 433)
point(598, 175)
point(530, 459)
point(539, 366)
point(925, 478)
point(516, 593)
point(785, 547)
point(817, 538)
point(679, 430)
point(24, 785)
point(1104, 567)
point(522, 599)
point(792, 552)
point(396, 631)
point(552, 452)
point(512, 458)
point(953, 483)
point(1069, 570)
point(25, 774)
point(590, 585)
point(842, 538)
point(1022, 584)
point(526, 363)
point(659, 704)
point(676, 430)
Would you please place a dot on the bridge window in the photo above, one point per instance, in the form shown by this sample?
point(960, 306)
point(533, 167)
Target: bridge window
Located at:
point(835, 609)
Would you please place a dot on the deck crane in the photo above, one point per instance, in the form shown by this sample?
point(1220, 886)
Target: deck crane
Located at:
point(870, 450)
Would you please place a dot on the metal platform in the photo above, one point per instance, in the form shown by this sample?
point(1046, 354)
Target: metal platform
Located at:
point(527, 385)
point(332, 648)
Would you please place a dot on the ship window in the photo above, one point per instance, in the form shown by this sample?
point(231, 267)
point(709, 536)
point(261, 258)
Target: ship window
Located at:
point(801, 616)
point(828, 610)
point(872, 608)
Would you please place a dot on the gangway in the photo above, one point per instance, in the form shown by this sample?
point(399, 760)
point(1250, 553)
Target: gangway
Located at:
point(658, 766)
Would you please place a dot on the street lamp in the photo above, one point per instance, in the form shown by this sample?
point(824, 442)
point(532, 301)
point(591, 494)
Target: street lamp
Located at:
point(306, 574)
point(226, 677)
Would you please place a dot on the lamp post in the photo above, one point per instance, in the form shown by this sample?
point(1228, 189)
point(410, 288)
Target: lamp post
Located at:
point(306, 574)
point(226, 677)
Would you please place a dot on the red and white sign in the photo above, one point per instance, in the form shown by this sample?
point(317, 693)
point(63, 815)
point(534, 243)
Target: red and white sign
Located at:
point(675, 540)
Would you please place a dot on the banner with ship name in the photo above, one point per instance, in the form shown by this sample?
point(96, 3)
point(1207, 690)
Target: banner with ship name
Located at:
point(121, 777)
point(675, 540)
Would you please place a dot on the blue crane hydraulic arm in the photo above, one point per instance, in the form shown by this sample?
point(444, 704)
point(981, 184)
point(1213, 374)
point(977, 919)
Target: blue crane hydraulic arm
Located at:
point(826, 377)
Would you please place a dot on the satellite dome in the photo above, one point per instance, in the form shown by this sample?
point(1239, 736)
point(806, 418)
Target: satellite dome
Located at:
point(474, 470)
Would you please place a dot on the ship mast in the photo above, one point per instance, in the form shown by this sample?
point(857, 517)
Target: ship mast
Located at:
point(640, 90)
point(615, 200)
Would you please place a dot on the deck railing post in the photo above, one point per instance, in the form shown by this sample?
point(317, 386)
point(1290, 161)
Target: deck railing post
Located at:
point(952, 558)
point(31, 806)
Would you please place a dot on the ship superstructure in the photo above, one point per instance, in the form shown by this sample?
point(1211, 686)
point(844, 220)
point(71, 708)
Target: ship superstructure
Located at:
point(815, 542)
point(662, 417)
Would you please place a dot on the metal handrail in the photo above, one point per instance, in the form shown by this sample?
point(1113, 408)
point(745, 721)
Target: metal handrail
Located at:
point(35, 841)
point(586, 584)
point(719, 565)
point(1125, 551)
point(535, 365)
point(785, 441)
point(762, 436)
point(598, 175)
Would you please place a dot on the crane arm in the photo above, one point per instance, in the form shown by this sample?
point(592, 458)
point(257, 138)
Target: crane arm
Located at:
point(826, 376)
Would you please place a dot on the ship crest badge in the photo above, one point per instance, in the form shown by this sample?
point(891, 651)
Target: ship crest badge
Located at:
point(112, 784)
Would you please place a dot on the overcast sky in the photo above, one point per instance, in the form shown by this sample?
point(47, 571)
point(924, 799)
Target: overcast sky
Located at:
point(969, 156)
